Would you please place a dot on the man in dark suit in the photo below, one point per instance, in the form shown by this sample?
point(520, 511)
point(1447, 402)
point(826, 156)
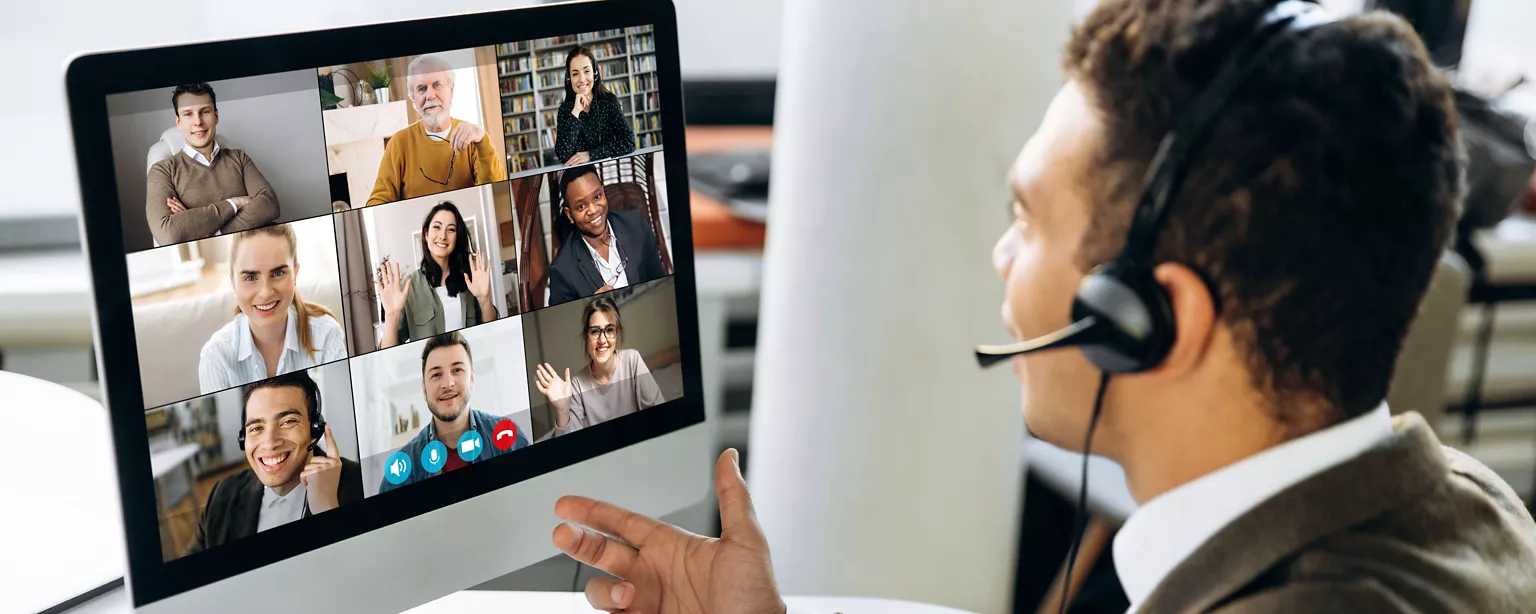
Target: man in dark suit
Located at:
point(617, 248)
point(290, 476)
point(1270, 473)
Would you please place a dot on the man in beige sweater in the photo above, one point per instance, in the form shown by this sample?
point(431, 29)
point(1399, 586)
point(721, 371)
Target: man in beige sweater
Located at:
point(204, 189)
point(437, 153)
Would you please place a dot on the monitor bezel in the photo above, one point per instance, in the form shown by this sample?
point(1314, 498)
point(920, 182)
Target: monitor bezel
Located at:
point(91, 78)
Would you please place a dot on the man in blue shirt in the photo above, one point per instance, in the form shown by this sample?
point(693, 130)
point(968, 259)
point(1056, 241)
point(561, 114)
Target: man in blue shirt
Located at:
point(447, 383)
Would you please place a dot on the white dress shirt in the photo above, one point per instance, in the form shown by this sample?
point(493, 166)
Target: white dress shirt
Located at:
point(1166, 530)
point(612, 269)
point(197, 157)
point(278, 510)
point(230, 358)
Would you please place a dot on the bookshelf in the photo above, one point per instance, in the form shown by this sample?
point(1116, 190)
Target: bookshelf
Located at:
point(531, 76)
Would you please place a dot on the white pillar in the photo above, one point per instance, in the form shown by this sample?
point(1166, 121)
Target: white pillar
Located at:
point(884, 462)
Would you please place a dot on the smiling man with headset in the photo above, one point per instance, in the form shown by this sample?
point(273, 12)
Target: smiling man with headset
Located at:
point(295, 469)
point(1233, 208)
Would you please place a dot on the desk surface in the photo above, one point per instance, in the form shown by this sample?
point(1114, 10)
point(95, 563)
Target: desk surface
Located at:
point(116, 602)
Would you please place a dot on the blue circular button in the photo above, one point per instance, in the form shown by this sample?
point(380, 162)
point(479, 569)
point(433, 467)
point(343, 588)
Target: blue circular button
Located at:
point(470, 444)
point(433, 456)
point(397, 468)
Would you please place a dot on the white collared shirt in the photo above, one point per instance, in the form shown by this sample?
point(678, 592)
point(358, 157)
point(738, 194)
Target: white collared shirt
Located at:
point(1163, 532)
point(197, 157)
point(278, 510)
point(230, 358)
point(611, 270)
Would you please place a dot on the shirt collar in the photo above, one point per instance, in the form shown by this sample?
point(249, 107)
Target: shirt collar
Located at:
point(441, 135)
point(474, 424)
point(270, 498)
point(1162, 533)
point(613, 245)
point(197, 156)
point(246, 345)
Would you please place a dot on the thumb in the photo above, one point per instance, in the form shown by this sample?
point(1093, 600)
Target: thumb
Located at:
point(738, 518)
point(407, 287)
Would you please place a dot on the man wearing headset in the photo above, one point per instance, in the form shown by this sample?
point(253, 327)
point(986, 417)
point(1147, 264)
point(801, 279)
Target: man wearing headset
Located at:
point(1252, 331)
point(290, 476)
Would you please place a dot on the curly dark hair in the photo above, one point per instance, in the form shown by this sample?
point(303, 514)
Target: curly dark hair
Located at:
point(1318, 207)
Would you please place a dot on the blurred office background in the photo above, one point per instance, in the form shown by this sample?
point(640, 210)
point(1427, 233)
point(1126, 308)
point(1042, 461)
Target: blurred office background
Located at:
point(1470, 365)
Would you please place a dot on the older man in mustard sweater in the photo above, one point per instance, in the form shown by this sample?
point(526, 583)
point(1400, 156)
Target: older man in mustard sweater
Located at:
point(437, 153)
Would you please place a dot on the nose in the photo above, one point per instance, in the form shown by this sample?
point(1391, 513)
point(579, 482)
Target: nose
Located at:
point(1005, 251)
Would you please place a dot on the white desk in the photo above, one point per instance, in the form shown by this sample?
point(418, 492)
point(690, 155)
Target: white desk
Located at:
point(62, 528)
point(116, 602)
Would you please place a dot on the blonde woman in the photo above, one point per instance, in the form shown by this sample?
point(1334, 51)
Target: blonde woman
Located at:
point(274, 330)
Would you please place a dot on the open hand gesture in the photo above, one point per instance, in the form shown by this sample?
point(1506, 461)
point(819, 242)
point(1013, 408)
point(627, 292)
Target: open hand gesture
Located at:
point(478, 277)
point(558, 390)
point(665, 570)
point(391, 294)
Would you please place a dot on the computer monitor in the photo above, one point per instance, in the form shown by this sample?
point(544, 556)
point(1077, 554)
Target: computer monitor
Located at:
point(369, 300)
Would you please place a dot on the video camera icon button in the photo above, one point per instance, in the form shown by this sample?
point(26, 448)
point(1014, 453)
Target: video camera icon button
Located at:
point(434, 456)
point(470, 445)
point(397, 468)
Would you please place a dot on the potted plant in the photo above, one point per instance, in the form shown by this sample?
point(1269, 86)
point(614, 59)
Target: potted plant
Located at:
point(380, 81)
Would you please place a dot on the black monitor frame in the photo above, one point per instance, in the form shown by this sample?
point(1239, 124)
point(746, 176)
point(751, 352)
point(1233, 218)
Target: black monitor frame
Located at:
point(91, 78)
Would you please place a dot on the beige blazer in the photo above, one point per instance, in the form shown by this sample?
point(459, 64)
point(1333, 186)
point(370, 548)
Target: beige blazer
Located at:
point(1409, 526)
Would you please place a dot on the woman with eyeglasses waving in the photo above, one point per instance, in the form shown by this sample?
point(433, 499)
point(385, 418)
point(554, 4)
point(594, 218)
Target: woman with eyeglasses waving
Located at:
point(614, 383)
point(449, 290)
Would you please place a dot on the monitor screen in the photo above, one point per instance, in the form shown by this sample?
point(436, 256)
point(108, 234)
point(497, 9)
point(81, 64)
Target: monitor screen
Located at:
point(377, 284)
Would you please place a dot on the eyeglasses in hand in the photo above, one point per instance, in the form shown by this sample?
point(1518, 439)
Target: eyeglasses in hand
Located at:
point(453, 157)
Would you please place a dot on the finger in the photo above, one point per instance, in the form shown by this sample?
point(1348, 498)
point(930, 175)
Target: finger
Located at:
point(608, 594)
point(738, 518)
point(330, 444)
point(407, 287)
point(567, 375)
point(633, 528)
point(595, 549)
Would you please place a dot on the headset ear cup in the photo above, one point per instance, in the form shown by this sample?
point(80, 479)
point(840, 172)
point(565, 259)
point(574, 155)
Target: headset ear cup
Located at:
point(1139, 315)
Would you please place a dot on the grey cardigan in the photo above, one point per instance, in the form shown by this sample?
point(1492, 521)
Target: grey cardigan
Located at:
point(423, 313)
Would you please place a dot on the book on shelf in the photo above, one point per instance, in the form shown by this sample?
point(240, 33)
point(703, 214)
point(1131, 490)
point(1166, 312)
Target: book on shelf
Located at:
point(507, 66)
point(520, 142)
point(607, 50)
point(648, 121)
point(512, 48)
point(649, 139)
point(517, 104)
point(551, 100)
point(516, 85)
point(553, 41)
point(592, 36)
point(645, 82)
point(612, 70)
point(519, 123)
point(551, 79)
point(644, 43)
point(644, 63)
